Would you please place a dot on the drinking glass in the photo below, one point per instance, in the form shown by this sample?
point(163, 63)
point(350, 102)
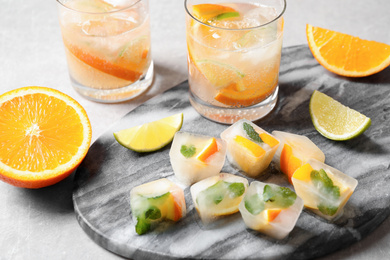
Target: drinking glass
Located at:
point(107, 46)
point(234, 51)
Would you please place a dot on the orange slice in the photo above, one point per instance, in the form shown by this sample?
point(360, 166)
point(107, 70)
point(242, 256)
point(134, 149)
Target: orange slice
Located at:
point(233, 96)
point(45, 135)
point(207, 12)
point(210, 148)
point(252, 147)
point(303, 173)
point(288, 162)
point(347, 55)
point(268, 139)
point(271, 214)
point(117, 70)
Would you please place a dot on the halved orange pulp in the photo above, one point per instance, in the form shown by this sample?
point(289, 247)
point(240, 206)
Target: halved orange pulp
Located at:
point(347, 55)
point(45, 135)
point(210, 148)
point(271, 214)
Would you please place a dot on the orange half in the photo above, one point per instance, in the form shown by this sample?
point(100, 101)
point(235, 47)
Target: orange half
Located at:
point(45, 135)
point(347, 55)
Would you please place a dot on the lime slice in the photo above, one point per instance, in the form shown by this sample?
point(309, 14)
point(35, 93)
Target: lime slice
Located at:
point(334, 120)
point(151, 136)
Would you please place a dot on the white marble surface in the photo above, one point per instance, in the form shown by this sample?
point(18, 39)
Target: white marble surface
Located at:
point(41, 224)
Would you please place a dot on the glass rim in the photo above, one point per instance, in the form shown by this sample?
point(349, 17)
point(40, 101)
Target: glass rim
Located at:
point(98, 13)
point(239, 29)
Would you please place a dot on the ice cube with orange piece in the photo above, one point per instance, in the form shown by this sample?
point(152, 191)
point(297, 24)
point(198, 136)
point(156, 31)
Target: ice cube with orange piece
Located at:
point(195, 157)
point(154, 202)
point(249, 147)
point(218, 196)
point(270, 209)
point(324, 189)
point(294, 151)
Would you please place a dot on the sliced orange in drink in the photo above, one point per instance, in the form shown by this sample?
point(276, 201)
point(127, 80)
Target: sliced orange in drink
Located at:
point(271, 214)
point(45, 135)
point(268, 139)
point(347, 55)
point(210, 148)
point(106, 66)
point(252, 147)
point(207, 12)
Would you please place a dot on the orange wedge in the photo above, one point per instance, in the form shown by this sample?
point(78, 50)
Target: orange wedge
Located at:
point(268, 139)
point(232, 96)
point(271, 214)
point(210, 148)
point(207, 12)
point(288, 162)
point(45, 135)
point(252, 147)
point(303, 173)
point(347, 55)
point(118, 70)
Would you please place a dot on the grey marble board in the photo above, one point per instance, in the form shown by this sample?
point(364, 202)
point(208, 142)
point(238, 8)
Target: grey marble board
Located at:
point(108, 173)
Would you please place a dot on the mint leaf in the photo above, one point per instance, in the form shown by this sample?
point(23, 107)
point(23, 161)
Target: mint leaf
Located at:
point(281, 197)
point(187, 151)
point(327, 210)
point(251, 132)
point(254, 204)
point(237, 189)
point(142, 226)
point(153, 213)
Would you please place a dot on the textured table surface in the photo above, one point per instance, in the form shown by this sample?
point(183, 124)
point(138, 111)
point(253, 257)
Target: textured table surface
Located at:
point(41, 224)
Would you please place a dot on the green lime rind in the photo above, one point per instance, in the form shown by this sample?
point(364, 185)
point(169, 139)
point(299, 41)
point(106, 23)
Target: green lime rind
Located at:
point(223, 65)
point(125, 137)
point(227, 15)
point(335, 121)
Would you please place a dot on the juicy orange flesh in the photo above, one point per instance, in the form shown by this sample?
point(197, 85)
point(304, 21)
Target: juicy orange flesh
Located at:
point(210, 149)
point(288, 162)
point(272, 214)
point(303, 173)
point(205, 12)
point(268, 139)
point(252, 147)
point(347, 53)
point(33, 137)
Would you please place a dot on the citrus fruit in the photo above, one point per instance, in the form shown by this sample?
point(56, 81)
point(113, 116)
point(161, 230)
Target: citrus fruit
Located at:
point(210, 148)
point(347, 55)
point(151, 136)
point(44, 136)
point(209, 12)
point(271, 214)
point(334, 120)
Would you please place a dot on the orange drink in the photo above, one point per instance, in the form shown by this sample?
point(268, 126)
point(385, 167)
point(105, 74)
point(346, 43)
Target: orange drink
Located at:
point(107, 45)
point(234, 51)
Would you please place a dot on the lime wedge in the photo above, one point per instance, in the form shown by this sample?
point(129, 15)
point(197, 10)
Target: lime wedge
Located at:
point(334, 120)
point(151, 136)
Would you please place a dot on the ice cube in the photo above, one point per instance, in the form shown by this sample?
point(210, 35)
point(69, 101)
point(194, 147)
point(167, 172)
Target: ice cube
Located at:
point(195, 157)
point(270, 209)
point(249, 147)
point(324, 189)
point(218, 196)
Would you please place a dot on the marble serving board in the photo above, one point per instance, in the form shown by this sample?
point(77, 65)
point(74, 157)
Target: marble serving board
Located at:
point(104, 179)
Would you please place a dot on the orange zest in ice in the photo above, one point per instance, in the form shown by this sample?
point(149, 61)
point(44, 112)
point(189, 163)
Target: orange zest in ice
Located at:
point(207, 12)
point(233, 96)
point(268, 139)
point(210, 148)
point(271, 214)
point(108, 67)
point(347, 55)
point(45, 135)
point(288, 162)
point(252, 147)
point(176, 212)
point(303, 173)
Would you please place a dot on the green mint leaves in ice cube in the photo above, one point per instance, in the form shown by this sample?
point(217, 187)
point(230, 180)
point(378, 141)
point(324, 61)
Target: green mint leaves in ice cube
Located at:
point(251, 132)
point(254, 204)
point(220, 190)
point(188, 151)
point(281, 197)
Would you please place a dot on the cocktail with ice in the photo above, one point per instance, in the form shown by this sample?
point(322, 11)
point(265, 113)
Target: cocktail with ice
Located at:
point(107, 45)
point(234, 51)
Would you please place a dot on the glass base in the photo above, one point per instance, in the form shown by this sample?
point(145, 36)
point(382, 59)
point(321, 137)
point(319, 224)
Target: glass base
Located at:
point(227, 115)
point(116, 95)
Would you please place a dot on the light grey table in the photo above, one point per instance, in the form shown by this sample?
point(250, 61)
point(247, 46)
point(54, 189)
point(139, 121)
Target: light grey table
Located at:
point(41, 224)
